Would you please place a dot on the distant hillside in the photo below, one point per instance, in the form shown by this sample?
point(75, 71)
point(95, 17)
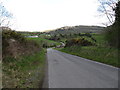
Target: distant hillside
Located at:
point(77, 29)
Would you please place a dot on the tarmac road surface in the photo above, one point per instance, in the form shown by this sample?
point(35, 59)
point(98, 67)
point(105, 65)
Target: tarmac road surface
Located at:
point(69, 71)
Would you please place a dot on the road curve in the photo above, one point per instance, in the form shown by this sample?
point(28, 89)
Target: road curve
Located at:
point(69, 71)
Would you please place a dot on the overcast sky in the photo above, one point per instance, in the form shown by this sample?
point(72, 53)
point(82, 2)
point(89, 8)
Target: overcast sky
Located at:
point(40, 15)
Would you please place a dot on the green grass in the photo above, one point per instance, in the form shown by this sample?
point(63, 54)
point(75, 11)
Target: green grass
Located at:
point(18, 72)
point(100, 39)
point(43, 40)
point(27, 61)
point(101, 52)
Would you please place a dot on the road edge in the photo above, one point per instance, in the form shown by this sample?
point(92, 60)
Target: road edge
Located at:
point(90, 60)
point(45, 80)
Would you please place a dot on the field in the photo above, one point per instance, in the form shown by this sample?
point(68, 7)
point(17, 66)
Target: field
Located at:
point(43, 41)
point(101, 52)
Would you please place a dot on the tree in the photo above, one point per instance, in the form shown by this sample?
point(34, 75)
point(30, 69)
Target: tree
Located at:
point(117, 13)
point(107, 8)
point(113, 31)
point(4, 16)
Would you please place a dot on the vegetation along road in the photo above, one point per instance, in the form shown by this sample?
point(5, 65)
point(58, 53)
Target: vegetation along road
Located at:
point(69, 71)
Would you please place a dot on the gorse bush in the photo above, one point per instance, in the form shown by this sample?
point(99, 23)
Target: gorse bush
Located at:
point(78, 41)
point(8, 34)
point(88, 35)
point(15, 45)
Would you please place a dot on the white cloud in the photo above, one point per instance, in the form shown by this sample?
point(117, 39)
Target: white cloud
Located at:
point(39, 15)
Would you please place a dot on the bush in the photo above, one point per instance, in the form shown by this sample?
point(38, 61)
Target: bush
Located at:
point(112, 36)
point(9, 34)
point(15, 45)
point(78, 41)
point(88, 35)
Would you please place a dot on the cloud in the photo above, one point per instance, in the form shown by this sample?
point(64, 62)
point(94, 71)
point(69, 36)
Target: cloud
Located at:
point(39, 15)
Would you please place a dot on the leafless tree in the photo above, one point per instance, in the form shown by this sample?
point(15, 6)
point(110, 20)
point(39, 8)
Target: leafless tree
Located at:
point(4, 16)
point(107, 7)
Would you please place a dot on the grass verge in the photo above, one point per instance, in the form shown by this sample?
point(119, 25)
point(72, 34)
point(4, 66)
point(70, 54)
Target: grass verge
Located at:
point(25, 72)
point(100, 54)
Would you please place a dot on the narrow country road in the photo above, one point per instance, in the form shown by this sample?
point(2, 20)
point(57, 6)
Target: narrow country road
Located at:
point(69, 71)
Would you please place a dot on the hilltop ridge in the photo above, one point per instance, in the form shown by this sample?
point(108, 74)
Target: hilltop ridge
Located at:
point(77, 29)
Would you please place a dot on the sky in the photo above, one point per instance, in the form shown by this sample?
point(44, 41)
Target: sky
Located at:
point(41, 15)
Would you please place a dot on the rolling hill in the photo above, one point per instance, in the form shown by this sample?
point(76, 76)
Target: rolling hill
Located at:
point(77, 29)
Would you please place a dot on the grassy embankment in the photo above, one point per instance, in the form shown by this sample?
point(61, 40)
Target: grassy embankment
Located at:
point(23, 61)
point(27, 72)
point(101, 53)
